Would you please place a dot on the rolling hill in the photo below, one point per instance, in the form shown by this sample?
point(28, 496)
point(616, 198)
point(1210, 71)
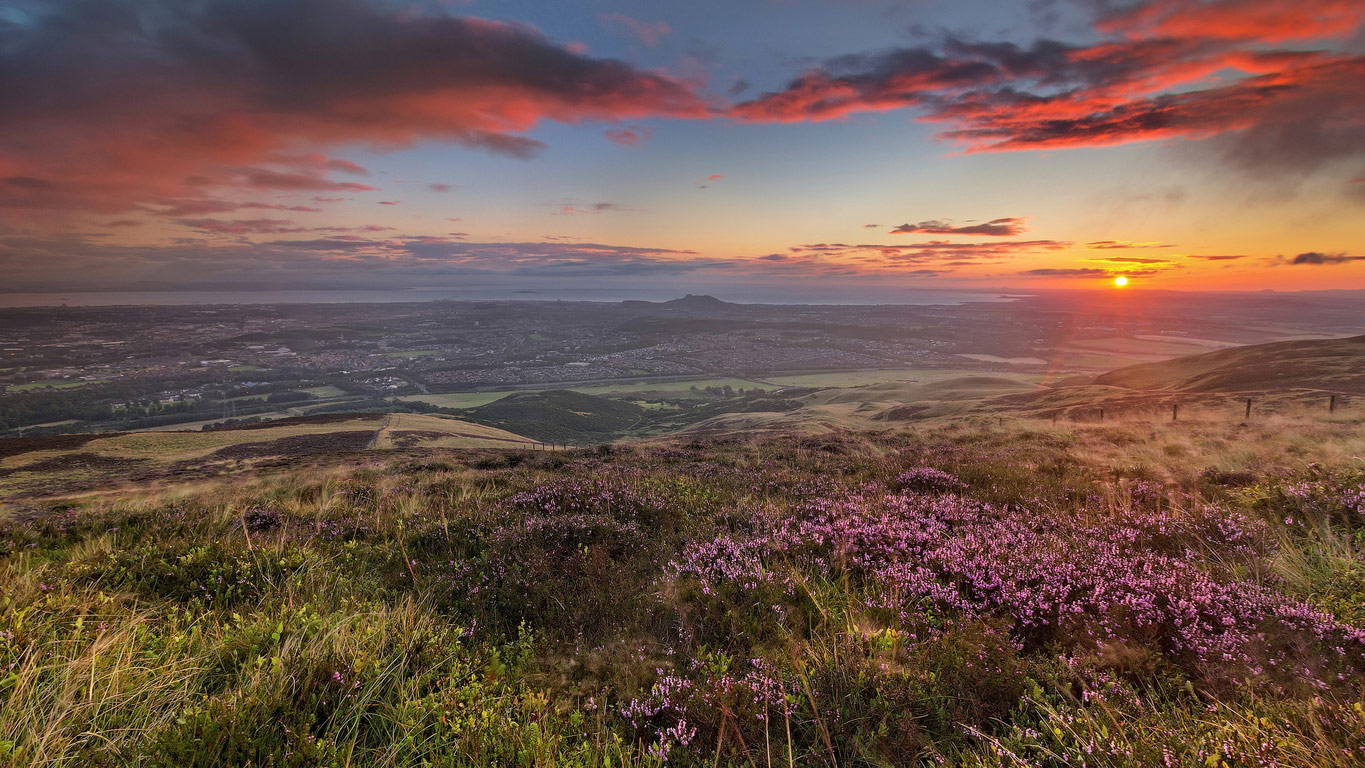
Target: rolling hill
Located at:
point(1336, 365)
point(560, 416)
point(1281, 377)
point(38, 466)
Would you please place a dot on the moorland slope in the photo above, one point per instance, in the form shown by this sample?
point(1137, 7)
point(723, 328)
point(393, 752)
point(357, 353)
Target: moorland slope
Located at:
point(1336, 365)
point(974, 593)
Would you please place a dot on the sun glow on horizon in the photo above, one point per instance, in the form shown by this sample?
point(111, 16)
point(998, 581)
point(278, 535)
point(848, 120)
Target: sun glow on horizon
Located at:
point(1120, 281)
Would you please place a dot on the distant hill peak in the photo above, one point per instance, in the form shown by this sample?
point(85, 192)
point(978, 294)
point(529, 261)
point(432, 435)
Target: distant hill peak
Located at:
point(693, 300)
point(690, 301)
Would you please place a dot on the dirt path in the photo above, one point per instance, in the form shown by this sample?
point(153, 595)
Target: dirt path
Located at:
point(378, 433)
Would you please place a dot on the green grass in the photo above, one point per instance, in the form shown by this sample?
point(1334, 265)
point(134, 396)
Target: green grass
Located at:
point(670, 389)
point(324, 392)
point(50, 384)
point(864, 378)
point(561, 416)
point(530, 608)
point(662, 389)
point(243, 368)
point(457, 399)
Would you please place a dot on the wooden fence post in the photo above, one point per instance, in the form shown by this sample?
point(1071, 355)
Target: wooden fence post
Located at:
point(1175, 411)
point(1332, 404)
point(1248, 408)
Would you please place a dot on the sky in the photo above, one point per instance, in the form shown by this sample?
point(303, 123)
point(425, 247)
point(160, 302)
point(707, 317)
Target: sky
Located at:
point(854, 144)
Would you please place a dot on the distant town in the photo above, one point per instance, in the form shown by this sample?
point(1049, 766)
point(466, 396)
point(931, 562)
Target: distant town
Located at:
point(95, 368)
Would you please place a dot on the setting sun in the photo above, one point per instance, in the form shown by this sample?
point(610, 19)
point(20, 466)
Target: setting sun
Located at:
point(1120, 281)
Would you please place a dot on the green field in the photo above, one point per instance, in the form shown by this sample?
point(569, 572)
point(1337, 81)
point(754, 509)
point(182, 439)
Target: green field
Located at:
point(864, 378)
point(685, 388)
point(52, 384)
point(457, 399)
point(50, 466)
point(666, 389)
point(190, 426)
point(325, 391)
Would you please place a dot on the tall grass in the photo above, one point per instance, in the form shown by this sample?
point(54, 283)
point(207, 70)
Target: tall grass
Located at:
point(749, 601)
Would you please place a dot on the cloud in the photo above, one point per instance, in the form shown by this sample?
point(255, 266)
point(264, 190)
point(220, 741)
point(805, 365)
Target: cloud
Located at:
point(1008, 227)
point(1134, 260)
point(1256, 20)
point(242, 227)
point(361, 228)
point(1066, 272)
point(27, 182)
point(1105, 245)
point(1317, 259)
point(317, 163)
point(113, 104)
point(1158, 73)
point(442, 188)
point(629, 136)
point(202, 206)
point(68, 262)
point(936, 253)
point(569, 209)
point(264, 178)
point(269, 227)
point(646, 32)
point(1232, 257)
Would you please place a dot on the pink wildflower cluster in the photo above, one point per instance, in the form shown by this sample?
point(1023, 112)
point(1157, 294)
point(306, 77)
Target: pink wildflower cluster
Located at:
point(929, 480)
point(1324, 496)
point(596, 495)
point(1131, 578)
point(662, 716)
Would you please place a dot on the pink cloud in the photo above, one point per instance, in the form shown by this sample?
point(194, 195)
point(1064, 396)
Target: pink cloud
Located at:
point(1007, 227)
point(629, 136)
point(115, 112)
point(1168, 69)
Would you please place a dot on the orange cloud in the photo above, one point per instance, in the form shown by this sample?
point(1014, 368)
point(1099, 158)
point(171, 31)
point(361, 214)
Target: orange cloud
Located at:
point(107, 111)
point(1272, 21)
point(1162, 75)
point(1007, 227)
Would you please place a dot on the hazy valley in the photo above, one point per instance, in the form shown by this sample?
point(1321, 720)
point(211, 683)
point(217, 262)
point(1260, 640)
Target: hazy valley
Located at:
point(1095, 554)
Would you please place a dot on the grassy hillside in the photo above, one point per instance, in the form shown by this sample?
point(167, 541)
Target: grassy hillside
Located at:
point(981, 593)
point(1286, 379)
point(560, 416)
point(1333, 364)
point(39, 466)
